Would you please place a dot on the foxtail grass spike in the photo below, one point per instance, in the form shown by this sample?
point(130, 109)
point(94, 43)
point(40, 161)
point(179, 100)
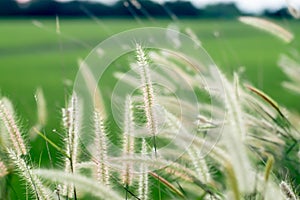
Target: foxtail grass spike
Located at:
point(234, 138)
point(294, 9)
point(41, 107)
point(270, 27)
point(34, 183)
point(148, 94)
point(57, 25)
point(128, 140)
point(92, 87)
point(269, 167)
point(3, 169)
point(72, 124)
point(287, 191)
point(101, 145)
point(42, 114)
point(7, 117)
point(199, 165)
point(143, 185)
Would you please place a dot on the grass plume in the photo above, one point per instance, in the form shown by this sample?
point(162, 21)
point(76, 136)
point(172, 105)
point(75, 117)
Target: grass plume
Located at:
point(72, 124)
point(143, 185)
point(148, 94)
point(101, 145)
point(7, 116)
point(269, 27)
point(128, 140)
point(287, 191)
point(36, 186)
point(3, 169)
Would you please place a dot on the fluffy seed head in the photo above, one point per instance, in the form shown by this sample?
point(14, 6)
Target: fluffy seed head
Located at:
point(101, 143)
point(148, 94)
point(128, 140)
point(143, 186)
point(287, 191)
point(34, 183)
point(3, 169)
point(268, 26)
point(72, 124)
point(7, 117)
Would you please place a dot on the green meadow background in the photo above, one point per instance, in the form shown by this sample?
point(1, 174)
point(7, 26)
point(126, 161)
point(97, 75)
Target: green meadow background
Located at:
point(34, 56)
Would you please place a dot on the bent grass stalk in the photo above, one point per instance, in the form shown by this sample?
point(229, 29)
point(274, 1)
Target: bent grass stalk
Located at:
point(270, 27)
point(83, 183)
point(168, 184)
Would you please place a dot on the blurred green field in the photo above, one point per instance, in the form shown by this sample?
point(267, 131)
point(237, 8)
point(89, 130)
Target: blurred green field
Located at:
point(32, 56)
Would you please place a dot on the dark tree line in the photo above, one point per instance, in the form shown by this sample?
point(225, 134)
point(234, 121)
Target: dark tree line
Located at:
point(80, 8)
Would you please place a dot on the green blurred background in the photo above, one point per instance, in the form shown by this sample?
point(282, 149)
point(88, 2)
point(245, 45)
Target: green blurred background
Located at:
point(33, 55)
